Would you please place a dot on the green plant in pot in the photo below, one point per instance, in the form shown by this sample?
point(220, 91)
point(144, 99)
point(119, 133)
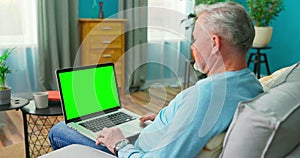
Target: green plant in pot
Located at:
point(262, 13)
point(5, 92)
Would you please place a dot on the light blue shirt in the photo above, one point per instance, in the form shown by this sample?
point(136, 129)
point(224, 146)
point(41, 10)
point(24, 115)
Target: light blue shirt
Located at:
point(194, 116)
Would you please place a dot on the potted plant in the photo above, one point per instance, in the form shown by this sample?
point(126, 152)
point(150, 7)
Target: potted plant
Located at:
point(5, 92)
point(262, 13)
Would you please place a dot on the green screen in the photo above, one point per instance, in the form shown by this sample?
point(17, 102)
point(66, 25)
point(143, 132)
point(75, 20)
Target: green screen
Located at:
point(88, 91)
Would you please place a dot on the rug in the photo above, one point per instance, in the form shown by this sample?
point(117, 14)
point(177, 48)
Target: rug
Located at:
point(13, 151)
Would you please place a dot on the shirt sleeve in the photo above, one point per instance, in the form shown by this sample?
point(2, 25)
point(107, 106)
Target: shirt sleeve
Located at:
point(170, 133)
point(130, 151)
point(162, 119)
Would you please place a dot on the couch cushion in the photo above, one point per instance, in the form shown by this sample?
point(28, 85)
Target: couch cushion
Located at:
point(275, 78)
point(213, 148)
point(267, 126)
point(295, 153)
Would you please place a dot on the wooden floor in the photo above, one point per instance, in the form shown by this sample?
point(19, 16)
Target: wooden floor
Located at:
point(141, 102)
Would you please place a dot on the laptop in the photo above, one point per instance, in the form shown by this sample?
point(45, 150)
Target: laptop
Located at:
point(90, 101)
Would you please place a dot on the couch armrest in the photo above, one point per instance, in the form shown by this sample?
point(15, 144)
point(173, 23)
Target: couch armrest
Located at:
point(77, 151)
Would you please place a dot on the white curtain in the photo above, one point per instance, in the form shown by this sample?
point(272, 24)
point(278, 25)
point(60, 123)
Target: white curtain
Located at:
point(169, 41)
point(18, 29)
point(165, 19)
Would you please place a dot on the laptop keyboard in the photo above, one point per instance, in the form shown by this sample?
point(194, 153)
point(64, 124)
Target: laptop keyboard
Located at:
point(107, 121)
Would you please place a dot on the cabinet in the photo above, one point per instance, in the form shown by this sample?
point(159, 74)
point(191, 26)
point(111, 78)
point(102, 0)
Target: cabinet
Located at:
point(102, 42)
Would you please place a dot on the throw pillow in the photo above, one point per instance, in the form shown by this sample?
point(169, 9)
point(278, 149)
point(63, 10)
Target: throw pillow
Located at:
point(267, 126)
point(268, 81)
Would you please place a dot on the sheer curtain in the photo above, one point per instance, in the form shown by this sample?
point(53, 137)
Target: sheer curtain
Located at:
point(169, 41)
point(18, 29)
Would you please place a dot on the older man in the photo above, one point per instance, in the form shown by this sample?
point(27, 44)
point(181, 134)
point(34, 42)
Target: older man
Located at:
point(223, 35)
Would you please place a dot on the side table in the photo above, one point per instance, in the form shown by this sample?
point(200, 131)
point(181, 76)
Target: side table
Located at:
point(15, 104)
point(37, 123)
point(257, 60)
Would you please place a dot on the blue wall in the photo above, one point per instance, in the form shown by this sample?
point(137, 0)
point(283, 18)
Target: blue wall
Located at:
point(86, 9)
point(285, 38)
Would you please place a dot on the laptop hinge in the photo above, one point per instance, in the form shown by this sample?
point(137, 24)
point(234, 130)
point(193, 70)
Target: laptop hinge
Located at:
point(94, 115)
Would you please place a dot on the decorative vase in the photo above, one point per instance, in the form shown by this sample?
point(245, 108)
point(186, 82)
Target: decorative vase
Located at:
point(101, 13)
point(5, 96)
point(262, 37)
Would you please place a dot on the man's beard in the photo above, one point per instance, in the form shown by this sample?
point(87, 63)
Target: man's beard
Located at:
point(199, 68)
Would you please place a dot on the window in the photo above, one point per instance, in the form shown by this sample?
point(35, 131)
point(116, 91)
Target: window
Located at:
point(164, 19)
point(18, 29)
point(168, 40)
point(18, 23)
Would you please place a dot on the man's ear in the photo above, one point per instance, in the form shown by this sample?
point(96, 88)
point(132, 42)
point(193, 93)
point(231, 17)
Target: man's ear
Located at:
point(216, 42)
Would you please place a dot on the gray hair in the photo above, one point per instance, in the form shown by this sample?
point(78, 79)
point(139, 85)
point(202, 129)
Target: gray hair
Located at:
point(230, 21)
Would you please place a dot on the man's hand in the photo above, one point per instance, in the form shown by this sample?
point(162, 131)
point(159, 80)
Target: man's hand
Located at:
point(149, 116)
point(109, 137)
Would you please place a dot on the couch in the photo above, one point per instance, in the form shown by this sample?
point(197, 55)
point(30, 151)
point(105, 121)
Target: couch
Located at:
point(266, 126)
